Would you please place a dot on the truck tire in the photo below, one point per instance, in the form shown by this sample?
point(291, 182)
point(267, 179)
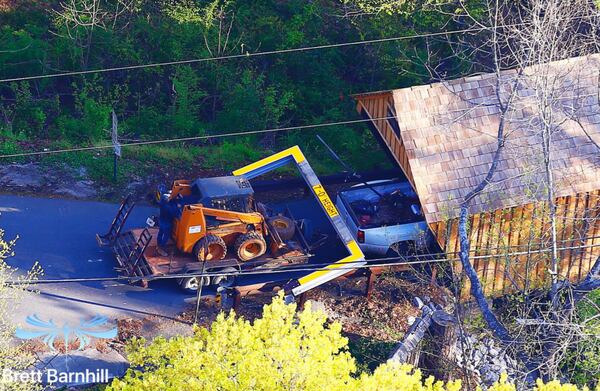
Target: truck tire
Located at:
point(191, 284)
point(284, 226)
point(210, 248)
point(224, 281)
point(249, 246)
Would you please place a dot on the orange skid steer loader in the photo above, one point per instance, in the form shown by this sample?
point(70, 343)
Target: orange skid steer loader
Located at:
point(214, 214)
point(208, 225)
point(208, 232)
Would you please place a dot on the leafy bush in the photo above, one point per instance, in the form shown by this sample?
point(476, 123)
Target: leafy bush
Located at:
point(583, 361)
point(283, 350)
point(93, 124)
point(280, 351)
point(233, 154)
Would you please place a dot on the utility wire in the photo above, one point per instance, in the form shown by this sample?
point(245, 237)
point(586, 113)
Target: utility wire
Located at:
point(345, 266)
point(192, 138)
point(354, 265)
point(264, 53)
point(244, 55)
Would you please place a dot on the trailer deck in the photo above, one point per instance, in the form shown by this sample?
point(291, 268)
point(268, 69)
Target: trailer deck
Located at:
point(151, 263)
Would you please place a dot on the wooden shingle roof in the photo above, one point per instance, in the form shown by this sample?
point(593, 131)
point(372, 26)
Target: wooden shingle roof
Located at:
point(449, 131)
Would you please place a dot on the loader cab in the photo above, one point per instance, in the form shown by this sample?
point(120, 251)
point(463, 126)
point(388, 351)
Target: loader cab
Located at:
point(233, 193)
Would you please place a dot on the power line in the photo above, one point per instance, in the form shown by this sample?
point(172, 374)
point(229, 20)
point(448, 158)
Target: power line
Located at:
point(264, 53)
point(245, 55)
point(308, 268)
point(192, 138)
point(354, 265)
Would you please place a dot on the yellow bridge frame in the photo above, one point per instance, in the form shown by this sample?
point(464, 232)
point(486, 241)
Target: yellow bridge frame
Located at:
point(353, 261)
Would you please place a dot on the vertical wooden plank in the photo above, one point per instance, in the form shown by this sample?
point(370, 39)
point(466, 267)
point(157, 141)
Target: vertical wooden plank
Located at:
point(567, 236)
point(576, 233)
point(527, 237)
point(484, 242)
point(474, 239)
point(539, 259)
point(504, 243)
point(490, 263)
point(561, 208)
point(592, 233)
point(515, 261)
point(495, 281)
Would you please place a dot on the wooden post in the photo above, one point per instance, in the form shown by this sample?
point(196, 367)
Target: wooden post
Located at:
point(116, 144)
point(115, 168)
point(434, 270)
point(301, 301)
point(199, 292)
point(370, 282)
point(237, 299)
point(444, 354)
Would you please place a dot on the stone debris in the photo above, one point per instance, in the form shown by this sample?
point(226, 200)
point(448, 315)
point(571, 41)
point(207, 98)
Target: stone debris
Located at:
point(33, 178)
point(21, 175)
point(484, 359)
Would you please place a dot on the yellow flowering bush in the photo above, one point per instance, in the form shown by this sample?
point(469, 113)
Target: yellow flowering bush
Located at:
point(280, 351)
point(555, 385)
point(283, 350)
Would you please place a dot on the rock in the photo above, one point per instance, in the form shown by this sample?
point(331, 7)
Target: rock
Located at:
point(484, 360)
point(80, 189)
point(82, 172)
point(21, 175)
point(135, 185)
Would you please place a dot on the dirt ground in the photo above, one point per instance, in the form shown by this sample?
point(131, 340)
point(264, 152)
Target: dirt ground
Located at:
point(385, 317)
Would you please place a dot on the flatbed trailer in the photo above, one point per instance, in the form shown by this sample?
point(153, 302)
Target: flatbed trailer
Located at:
point(137, 256)
point(136, 250)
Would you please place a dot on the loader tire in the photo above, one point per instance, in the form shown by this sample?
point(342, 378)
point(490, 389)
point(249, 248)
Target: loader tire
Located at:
point(249, 246)
point(284, 226)
point(210, 248)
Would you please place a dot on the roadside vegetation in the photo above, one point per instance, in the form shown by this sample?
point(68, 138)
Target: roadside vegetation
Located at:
point(13, 357)
point(206, 101)
point(282, 350)
point(206, 98)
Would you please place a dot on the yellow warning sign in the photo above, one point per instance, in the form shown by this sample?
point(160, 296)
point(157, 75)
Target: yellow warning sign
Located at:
point(325, 200)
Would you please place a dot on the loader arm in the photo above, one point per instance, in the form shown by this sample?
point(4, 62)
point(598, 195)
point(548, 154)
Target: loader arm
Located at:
point(227, 215)
point(355, 259)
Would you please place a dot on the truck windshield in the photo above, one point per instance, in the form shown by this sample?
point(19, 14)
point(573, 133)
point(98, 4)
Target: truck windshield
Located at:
point(398, 204)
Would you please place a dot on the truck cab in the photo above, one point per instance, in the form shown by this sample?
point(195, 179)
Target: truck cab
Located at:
point(385, 217)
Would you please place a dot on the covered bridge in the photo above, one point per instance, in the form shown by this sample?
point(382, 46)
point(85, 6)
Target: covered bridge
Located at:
point(444, 135)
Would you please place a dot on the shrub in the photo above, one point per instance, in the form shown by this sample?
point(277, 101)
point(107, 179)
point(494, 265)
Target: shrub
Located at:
point(280, 351)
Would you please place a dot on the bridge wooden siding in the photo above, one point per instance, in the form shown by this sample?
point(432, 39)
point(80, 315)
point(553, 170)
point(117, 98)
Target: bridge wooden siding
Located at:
point(520, 230)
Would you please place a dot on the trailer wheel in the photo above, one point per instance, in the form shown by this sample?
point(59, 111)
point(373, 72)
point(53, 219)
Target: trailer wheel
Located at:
point(249, 246)
point(210, 248)
point(225, 281)
point(284, 226)
point(191, 284)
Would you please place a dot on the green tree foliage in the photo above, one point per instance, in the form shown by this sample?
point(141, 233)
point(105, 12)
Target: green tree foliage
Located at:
point(209, 97)
point(584, 362)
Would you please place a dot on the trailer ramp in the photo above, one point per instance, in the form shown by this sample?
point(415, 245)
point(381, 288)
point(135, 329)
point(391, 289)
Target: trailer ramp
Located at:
point(335, 269)
point(108, 239)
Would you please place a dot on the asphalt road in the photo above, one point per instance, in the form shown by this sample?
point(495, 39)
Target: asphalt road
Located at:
point(60, 235)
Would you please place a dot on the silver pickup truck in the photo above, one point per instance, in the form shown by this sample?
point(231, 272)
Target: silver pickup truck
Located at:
point(385, 217)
